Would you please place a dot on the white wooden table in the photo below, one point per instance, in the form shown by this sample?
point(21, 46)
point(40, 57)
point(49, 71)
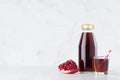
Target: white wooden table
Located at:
point(51, 73)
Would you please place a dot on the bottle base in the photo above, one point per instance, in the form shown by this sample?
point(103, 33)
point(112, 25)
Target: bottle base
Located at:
point(86, 72)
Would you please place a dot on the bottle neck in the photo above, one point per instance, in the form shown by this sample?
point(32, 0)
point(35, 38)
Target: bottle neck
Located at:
point(87, 30)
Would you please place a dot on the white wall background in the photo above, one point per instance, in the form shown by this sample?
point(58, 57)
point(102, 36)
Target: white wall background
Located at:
point(47, 32)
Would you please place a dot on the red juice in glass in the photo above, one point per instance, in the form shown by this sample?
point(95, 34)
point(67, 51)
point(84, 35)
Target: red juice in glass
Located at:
point(87, 48)
point(101, 64)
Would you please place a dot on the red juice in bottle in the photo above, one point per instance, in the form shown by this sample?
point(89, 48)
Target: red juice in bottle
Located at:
point(87, 48)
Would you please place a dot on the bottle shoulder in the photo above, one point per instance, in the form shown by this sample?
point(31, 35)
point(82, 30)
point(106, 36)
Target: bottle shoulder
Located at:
point(87, 37)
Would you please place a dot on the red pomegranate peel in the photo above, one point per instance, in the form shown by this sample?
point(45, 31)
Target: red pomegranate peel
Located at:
point(68, 67)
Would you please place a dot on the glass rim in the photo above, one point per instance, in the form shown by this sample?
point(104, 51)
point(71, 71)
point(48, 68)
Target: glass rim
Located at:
point(100, 57)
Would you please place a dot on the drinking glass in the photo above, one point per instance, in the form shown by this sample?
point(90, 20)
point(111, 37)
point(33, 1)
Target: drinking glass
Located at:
point(101, 65)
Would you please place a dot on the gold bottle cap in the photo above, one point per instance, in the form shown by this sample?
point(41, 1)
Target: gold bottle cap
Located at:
point(87, 26)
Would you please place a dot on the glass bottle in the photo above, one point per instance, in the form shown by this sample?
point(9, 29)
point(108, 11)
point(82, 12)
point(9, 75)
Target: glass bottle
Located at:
point(87, 48)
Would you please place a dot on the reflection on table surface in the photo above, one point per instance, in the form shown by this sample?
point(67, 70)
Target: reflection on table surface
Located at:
point(51, 73)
